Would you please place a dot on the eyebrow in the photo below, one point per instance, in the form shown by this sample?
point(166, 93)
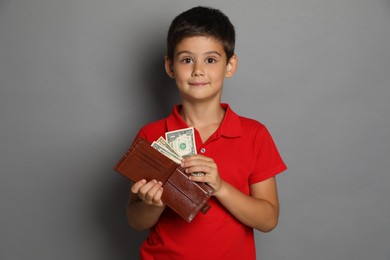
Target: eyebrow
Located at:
point(206, 53)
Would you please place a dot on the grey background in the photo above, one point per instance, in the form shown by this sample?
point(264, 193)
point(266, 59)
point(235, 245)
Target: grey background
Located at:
point(78, 78)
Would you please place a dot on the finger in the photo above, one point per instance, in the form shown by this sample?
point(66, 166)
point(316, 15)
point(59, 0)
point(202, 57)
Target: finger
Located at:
point(213, 180)
point(157, 197)
point(147, 186)
point(198, 157)
point(200, 168)
point(195, 162)
point(137, 185)
point(198, 178)
point(152, 192)
point(143, 190)
point(198, 174)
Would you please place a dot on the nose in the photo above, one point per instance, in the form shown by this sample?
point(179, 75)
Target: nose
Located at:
point(198, 70)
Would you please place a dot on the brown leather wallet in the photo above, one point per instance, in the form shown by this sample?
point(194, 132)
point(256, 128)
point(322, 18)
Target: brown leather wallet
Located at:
point(182, 195)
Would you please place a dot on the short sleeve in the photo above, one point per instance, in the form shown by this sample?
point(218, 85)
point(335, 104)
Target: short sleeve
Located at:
point(141, 134)
point(268, 160)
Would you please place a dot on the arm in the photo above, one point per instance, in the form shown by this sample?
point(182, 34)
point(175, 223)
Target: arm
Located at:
point(260, 210)
point(145, 205)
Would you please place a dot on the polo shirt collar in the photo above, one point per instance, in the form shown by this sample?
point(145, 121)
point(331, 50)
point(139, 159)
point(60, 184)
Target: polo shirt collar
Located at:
point(230, 126)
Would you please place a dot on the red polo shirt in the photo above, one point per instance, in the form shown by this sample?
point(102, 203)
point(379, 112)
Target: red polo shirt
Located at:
point(245, 154)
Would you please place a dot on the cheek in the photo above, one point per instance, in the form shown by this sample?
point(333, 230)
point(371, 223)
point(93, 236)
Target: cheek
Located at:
point(182, 72)
point(218, 74)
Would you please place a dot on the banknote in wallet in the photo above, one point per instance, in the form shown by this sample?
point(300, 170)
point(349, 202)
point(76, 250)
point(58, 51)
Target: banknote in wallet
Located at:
point(182, 195)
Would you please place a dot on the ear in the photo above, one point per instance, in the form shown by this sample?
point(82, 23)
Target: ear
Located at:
point(169, 67)
point(231, 66)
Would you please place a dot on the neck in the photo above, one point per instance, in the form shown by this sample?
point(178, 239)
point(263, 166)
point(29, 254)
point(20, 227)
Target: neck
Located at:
point(202, 115)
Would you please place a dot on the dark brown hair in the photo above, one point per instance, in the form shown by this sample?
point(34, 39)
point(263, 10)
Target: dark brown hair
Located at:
point(201, 21)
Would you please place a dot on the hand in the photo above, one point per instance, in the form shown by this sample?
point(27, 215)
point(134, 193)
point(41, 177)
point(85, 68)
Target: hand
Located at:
point(149, 192)
point(200, 163)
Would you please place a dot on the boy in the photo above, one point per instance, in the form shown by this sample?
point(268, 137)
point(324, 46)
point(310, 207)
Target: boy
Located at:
point(237, 155)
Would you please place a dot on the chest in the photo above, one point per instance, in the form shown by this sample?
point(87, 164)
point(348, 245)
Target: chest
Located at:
point(207, 132)
point(234, 157)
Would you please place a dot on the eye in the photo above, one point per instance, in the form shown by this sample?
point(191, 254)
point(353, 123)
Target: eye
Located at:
point(186, 60)
point(211, 60)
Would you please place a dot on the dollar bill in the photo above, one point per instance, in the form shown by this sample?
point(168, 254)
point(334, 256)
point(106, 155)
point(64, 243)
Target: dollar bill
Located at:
point(182, 141)
point(161, 141)
point(166, 152)
point(178, 144)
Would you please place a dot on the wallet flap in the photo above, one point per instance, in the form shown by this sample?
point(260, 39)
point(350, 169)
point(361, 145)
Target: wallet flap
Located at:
point(142, 161)
point(183, 206)
point(184, 196)
point(193, 190)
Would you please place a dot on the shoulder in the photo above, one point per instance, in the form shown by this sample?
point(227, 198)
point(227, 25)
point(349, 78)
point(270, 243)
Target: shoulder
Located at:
point(236, 124)
point(153, 125)
point(247, 128)
point(153, 130)
point(250, 122)
point(250, 125)
point(254, 131)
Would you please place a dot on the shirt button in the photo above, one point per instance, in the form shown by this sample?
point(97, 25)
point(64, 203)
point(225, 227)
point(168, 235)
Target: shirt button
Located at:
point(203, 150)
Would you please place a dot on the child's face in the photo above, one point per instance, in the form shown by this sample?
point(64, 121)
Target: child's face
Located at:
point(199, 67)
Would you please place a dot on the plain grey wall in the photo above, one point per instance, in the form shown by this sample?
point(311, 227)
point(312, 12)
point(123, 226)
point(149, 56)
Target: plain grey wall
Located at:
point(78, 78)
